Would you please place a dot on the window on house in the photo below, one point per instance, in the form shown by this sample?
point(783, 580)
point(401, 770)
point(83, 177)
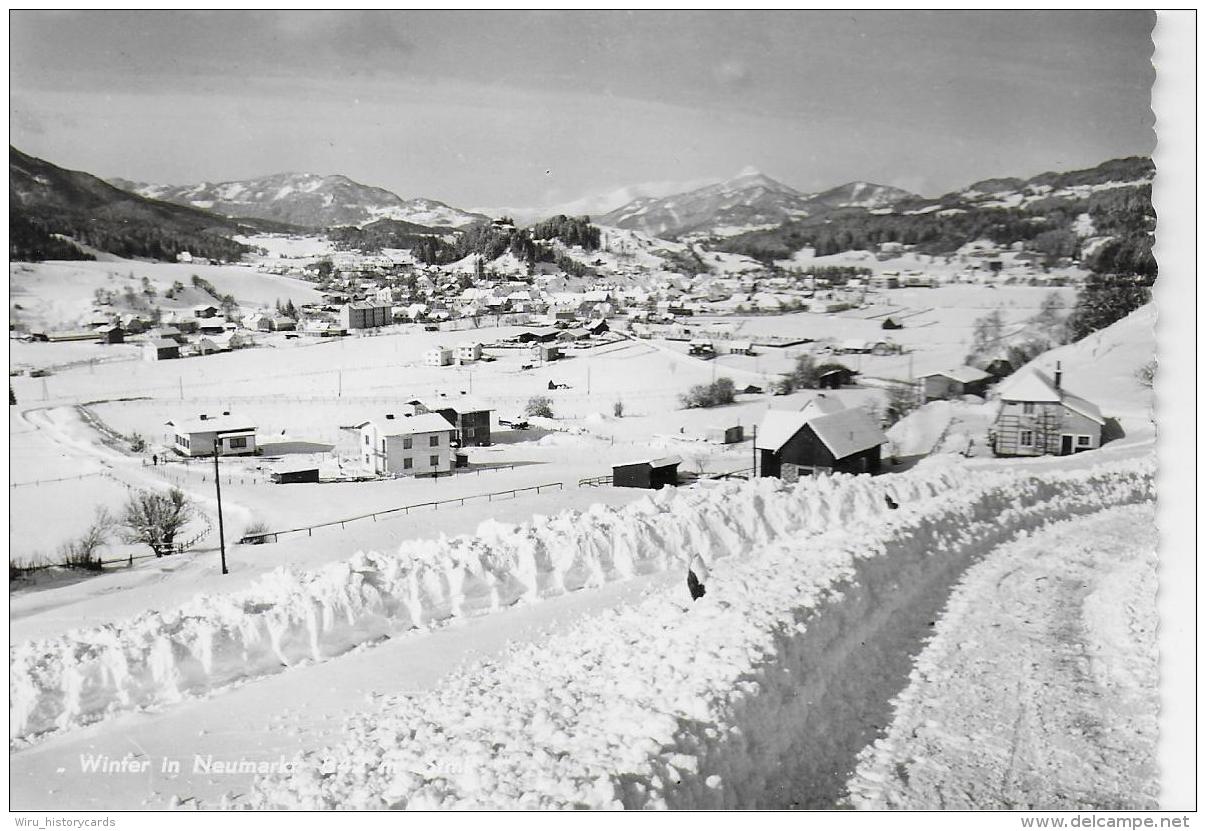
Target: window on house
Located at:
point(1083, 441)
point(1027, 439)
point(434, 441)
point(238, 443)
point(366, 438)
point(435, 461)
point(383, 445)
point(408, 443)
point(407, 463)
point(366, 460)
point(1028, 408)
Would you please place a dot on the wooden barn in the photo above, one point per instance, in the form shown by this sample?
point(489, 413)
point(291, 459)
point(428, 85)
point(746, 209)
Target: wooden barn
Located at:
point(950, 383)
point(653, 474)
point(791, 444)
point(1039, 417)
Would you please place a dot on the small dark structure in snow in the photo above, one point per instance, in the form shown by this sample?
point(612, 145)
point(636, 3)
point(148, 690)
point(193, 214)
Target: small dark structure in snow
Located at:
point(998, 368)
point(889, 323)
point(653, 474)
point(949, 383)
point(836, 378)
point(295, 474)
point(726, 435)
point(546, 334)
point(160, 349)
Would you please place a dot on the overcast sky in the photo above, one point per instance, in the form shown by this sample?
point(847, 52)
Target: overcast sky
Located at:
point(535, 108)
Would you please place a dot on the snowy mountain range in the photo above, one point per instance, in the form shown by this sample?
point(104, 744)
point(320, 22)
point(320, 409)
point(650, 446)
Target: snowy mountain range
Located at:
point(305, 199)
point(749, 201)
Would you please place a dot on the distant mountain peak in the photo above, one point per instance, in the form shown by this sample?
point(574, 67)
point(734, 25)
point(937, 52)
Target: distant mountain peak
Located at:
point(307, 199)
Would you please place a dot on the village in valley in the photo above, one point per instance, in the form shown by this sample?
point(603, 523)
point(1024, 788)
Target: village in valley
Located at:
point(336, 381)
point(685, 501)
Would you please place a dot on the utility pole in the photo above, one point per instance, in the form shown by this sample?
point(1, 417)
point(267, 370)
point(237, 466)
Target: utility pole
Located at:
point(218, 487)
point(754, 475)
point(181, 387)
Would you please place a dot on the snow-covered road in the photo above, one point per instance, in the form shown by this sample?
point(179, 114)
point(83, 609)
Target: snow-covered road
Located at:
point(1040, 687)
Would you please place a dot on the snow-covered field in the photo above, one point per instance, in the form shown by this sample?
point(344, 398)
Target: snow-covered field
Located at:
point(58, 294)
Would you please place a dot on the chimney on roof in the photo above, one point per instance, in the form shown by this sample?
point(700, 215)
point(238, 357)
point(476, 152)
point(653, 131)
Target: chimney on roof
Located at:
point(204, 417)
point(226, 412)
point(1059, 375)
point(389, 416)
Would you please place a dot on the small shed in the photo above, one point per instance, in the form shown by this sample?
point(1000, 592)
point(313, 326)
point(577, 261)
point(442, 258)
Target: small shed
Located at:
point(547, 351)
point(836, 378)
point(653, 474)
point(948, 383)
point(287, 474)
point(726, 435)
point(701, 347)
point(741, 347)
point(111, 334)
point(160, 349)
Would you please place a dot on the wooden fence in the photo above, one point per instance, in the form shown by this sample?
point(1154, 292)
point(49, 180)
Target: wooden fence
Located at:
point(274, 536)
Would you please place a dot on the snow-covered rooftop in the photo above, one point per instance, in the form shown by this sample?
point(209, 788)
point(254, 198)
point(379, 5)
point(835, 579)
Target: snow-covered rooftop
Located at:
point(213, 424)
point(847, 431)
point(844, 431)
point(406, 425)
point(962, 374)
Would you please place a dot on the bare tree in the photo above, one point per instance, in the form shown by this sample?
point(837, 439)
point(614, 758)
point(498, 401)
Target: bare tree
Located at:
point(81, 552)
point(155, 518)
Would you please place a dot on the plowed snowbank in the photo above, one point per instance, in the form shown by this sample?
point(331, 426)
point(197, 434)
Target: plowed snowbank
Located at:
point(753, 697)
point(290, 617)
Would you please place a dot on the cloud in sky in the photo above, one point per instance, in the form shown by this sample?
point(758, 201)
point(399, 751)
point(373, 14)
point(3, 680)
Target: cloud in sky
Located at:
point(473, 107)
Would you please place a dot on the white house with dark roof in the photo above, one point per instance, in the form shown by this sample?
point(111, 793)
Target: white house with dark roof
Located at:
point(407, 445)
point(1038, 417)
